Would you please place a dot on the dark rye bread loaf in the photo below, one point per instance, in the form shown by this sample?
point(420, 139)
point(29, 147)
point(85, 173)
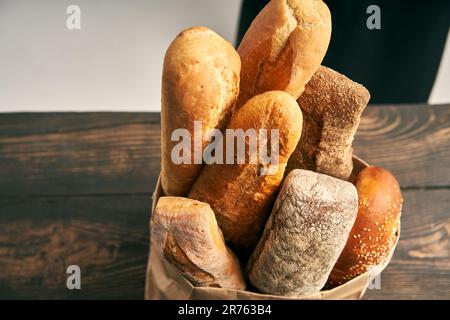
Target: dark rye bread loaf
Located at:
point(332, 105)
point(305, 234)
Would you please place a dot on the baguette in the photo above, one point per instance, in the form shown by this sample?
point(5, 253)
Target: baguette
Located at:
point(185, 233)
point(305, 234)
point(200, 83)
point(239, 195)
point(332, 105)
point(283, 47)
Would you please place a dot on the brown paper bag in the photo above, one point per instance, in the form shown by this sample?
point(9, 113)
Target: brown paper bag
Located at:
point(165, 282)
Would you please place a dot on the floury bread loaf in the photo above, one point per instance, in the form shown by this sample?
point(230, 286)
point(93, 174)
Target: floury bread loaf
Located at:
point(185, 233)
point(240, 195)
point(200, 83)
point(332, 105)
point(283, 47)
point(305, 234)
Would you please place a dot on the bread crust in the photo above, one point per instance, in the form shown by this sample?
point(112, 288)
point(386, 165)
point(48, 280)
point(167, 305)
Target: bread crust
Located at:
point(305, 234)
point(200, 83)
point(332, 106)
point(283, 47)
point(375, 231)
point(186, 234)
point(240, 197)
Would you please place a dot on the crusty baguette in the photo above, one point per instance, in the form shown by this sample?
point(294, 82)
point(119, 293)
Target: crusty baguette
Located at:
point(305, 234)
point(376, 228)
point(200, 83)
point(283, 47)
point(239, 195)
point(332, 105)
point(185, 233)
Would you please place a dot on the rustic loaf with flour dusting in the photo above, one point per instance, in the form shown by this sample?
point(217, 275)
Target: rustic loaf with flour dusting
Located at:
point(305, 234)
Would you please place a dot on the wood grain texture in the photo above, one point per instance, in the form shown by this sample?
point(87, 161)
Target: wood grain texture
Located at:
point(413, 142)
point(78, 153)
point(107, 236)
point(75, 189)
point(420, 268)
point(104, 153)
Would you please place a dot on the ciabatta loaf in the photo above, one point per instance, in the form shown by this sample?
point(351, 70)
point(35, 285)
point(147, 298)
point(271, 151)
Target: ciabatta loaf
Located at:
point(186, 234)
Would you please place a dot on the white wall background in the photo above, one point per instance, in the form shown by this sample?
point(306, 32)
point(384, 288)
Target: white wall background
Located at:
point(114, 62)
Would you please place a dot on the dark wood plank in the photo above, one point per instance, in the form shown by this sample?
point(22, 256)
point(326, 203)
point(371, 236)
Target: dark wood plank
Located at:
point(411, 141)
point(104, 153)
point(420, 268)
point(107, 236)
point(74, 189)
point(86, 153)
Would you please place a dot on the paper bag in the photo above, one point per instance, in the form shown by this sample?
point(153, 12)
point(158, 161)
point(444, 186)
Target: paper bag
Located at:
point(165, 282)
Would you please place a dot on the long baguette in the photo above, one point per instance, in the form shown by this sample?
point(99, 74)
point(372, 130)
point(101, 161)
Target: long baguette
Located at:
point(200, 83)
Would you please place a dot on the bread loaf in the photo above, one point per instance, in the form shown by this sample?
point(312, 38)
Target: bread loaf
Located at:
point(186, 234)
point(376, 227)
point(200, 83)
point(332, 106)
point(240, 196)
point(283, 47)
point(305, 234)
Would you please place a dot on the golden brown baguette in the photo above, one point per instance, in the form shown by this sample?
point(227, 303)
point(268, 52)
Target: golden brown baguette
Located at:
point(239, 195)
point(200, 83)
point(185, 233)
point(376, 228)
point(332, 105)
point(283, 47)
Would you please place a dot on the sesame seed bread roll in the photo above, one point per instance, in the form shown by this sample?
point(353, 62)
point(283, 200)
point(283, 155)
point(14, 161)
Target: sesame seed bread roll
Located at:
point(185, 233)
point(376, 227)
point(283, 47)
point(240, 196)
point(200, 83)
point(307, 230)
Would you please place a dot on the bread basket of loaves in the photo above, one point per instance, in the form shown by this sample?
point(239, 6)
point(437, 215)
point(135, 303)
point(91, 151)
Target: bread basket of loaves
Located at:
point(260, 195)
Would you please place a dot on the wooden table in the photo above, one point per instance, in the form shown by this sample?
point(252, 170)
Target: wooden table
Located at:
point(75, 188)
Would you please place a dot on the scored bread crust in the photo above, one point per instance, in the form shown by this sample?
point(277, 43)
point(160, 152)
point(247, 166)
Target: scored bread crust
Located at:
point(283, 47)
point(240, 197)
point(186, 234)
point(332, 105)
point(200, 83)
